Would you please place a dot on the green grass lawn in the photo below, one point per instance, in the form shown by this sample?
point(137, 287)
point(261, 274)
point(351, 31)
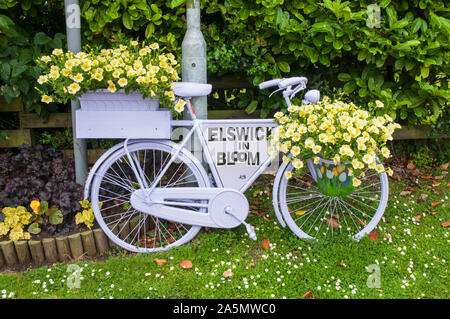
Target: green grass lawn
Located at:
point(411, 258)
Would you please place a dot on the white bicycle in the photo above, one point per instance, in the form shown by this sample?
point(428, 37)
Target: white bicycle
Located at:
point(154, 194)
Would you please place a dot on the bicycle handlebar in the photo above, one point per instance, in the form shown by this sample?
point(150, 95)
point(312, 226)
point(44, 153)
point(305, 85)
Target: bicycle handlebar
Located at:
point(292, 81)
point(268, 84)
point(283, 83)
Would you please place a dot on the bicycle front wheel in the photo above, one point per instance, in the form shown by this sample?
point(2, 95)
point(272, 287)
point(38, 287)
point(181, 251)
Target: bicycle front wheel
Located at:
point(314, 212)
point(114, 182)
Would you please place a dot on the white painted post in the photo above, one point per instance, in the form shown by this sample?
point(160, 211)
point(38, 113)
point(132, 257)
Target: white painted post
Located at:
point(193, 63)
point(73, 24)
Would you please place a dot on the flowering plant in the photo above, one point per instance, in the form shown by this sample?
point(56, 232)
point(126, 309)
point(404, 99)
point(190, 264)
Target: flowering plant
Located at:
point(16, 218)
point(133, 67)
point(334, 130)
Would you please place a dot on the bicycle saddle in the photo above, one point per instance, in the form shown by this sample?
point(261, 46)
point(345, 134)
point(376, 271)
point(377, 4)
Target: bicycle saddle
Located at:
point(191, 89)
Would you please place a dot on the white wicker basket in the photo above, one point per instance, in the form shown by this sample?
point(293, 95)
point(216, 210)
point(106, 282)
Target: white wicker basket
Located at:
point(103, 100)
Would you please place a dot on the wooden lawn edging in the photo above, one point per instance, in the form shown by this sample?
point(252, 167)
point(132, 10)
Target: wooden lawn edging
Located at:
point(54, 249)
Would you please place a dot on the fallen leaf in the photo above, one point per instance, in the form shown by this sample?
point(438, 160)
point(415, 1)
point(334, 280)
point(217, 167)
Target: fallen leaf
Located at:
point(410, 166)
point(256, 202)
point(404, 193)
point(300, 212)
point(361, 222)
point(296, 252)
point(227, 274)
point(416, 172)
point(434, 204)
point(336, 216)
point(341, 264)
point(439, 177)
point(250, 265)
point(265, 243)
point(427, 177)
point(448, 184)
point(444, 166)
point(333, 222)
point(446, 224)
point(436, 184)
point(423, 197)
point(373, 235)
point(308, 295)
point(186, 264)
point(387, 235)
point(160, 262)
point(410, 189)
point(265, 218)
point(417, 218)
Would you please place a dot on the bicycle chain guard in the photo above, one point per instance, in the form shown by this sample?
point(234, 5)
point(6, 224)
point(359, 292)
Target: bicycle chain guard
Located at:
point(217, 207)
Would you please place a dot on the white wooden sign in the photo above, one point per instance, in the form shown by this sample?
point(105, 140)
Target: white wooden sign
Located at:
point(238, 150)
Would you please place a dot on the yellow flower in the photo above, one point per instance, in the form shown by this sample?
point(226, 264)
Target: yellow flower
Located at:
point(57, 52)
point(368, 159)
point(295, 150)
point(379, 104)
point(73, 88)
point(278, 115)
point(323, 137)
point(385, 152)
point(309, 142)
point(316, 160)
point(54, 74)
point(65, 72)
point(134, 43)
point(179, 107)
point(293, 108)
point(112, 88)
point(297, 163)
point(316, 149)
point(42, 79)
point(98, 76)
point(78, 78)
point(45, 58)
point(35, 205)
point(122, 82)
point(356, 182)
point(288, 175)
point(154, 46)
point(46, 99)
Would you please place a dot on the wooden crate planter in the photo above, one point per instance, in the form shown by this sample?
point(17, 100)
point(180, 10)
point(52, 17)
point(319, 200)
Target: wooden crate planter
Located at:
point(51, 250)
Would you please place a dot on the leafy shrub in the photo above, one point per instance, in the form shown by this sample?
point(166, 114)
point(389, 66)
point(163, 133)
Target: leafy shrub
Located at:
point(403, 61)
point(87, 215)
point(40, 172)
point(25, 26)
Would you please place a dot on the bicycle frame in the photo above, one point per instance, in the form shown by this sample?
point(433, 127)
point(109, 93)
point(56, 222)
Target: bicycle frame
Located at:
point(196, 129)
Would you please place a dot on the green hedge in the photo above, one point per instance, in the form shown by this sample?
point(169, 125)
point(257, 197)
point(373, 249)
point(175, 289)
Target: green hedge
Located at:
point(403, 62)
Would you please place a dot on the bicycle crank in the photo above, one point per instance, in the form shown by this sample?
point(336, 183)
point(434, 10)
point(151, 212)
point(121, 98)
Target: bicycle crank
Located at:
point(199, 206)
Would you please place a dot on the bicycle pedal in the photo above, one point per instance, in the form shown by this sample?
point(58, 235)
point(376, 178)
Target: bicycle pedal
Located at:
point(250, 231)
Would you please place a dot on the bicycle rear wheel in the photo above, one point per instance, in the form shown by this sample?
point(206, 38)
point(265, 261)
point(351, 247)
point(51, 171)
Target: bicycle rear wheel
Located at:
point(114, 182)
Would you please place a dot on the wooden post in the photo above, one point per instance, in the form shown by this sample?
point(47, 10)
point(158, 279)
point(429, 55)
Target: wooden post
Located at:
point(37, 252)
point(63, 248)
point(9, 252)
point(89, 243)
point(134, 228)
point(23, 253)
point(50, 250)
point(124, 230)
point(76, 245)
point(101, 241)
